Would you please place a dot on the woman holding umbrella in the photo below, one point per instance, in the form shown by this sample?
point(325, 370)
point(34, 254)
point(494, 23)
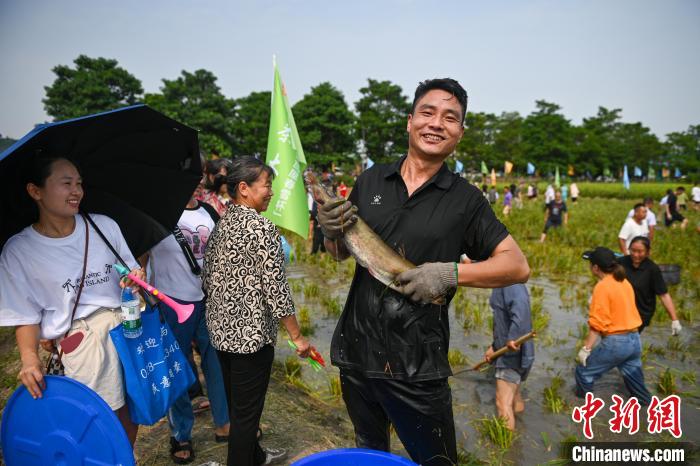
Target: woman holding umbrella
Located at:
point(56, 283)
point(247, 296)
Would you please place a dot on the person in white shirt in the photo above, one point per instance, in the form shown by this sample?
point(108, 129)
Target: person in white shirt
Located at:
point(695, 195)
point(651, 216)
point(41, 274)
point(176, 264)
point(549, 194)
point(574, 192)
point(633, 227)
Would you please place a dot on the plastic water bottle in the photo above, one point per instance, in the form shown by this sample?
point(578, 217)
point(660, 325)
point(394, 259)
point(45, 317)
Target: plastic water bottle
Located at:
point(131, 314)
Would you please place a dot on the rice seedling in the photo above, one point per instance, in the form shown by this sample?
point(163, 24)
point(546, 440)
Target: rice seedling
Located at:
point(675, 344)
point(311, 290)
point(536, 292)
point(686, 314)
point(306, 327)
point(666, 384)
point(650, 348)
point(540, 318)
point(495, 429)
point(689, 377)
point(292, 373)
point(553, 401)
point(334, 389)
point(456, 358)
point(331, 305)
point(546, 441)
point(295, 286)
point(467, 458)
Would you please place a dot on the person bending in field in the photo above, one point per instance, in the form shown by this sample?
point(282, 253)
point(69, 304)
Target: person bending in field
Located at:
point(511, 320)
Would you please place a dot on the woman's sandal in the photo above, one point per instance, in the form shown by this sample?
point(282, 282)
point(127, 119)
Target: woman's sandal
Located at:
point(177, 447)
point(200, 404)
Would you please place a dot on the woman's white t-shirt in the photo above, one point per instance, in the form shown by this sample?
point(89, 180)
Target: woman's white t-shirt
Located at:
point(39, 276)
point(171, 272)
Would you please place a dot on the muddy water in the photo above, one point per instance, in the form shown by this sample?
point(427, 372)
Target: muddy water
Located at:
point(539, 431)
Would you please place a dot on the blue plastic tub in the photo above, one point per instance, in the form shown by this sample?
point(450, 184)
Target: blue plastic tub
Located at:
point(353, 457)
point(70, 424)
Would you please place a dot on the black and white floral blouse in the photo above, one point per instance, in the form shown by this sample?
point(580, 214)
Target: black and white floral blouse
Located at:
point(244, 278)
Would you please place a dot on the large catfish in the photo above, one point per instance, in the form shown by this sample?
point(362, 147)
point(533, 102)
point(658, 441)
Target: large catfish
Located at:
point(368, 249)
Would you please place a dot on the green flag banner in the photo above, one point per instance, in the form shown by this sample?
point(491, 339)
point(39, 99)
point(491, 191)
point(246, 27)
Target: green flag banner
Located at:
point(484, 170)
point(557, 183)
point(288, 207)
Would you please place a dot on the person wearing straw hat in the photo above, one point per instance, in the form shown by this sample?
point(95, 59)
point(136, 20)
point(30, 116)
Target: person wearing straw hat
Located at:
point(613, 323)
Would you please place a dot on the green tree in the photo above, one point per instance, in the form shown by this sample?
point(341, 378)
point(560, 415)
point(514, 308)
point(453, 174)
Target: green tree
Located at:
point(476, 144)
point(196, 100)
point(597, 142)
point(381, 124)
point(95, 85)
point(547, 137)
point(325, 125)
point(684, 150)
point(252, 122)
point(637, 145)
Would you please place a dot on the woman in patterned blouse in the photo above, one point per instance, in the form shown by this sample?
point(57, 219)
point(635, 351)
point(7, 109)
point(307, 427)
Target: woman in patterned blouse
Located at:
point(247, 296)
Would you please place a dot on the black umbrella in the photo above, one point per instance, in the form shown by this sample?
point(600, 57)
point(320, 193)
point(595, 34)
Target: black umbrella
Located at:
point(139, 167)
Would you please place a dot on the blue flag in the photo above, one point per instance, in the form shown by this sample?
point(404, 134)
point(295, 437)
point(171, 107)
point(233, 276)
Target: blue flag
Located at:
point(530, 169)
point(459, 166)
point(678, 172)
point(369, 163)
point(626, 179)
point(637, 172)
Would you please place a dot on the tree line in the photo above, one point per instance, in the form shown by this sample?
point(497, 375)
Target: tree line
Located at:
point(333, 132)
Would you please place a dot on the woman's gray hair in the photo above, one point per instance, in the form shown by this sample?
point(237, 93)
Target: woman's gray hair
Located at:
point(247, 169)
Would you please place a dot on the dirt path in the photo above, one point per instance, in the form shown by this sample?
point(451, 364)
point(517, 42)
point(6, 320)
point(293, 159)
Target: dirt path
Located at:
point(292, 420)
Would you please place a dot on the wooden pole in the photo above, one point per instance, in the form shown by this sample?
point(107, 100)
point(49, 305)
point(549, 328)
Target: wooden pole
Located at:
point(500, 352)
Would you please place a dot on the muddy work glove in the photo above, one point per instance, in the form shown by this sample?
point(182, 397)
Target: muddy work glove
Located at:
point(428, 282)
point(676, 328)
point(335, 217)
point(583, 354)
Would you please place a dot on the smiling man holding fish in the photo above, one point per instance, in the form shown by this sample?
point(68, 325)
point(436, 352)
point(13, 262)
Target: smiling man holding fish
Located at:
point(392, 339)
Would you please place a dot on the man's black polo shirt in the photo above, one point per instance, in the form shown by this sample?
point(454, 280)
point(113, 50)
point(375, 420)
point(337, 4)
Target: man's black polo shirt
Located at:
point(648, 283)
point(381, 333)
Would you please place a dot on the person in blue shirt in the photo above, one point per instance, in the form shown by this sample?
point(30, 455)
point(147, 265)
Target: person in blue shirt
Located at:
point(511, 320)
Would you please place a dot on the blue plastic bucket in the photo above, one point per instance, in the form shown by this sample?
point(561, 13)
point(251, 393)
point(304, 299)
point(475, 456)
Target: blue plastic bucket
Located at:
point(70, 424)
point(353, 457)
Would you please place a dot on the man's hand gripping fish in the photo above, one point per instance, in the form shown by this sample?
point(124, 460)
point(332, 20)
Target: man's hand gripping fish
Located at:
point(368, 249)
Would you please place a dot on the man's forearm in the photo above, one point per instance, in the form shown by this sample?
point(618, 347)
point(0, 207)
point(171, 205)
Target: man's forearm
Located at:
point(505, 267)
point(623, 245)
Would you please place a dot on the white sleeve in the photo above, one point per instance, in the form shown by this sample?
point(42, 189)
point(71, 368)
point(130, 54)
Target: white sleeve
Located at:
point(651, 219)
point(17, 304)
point(624, 231)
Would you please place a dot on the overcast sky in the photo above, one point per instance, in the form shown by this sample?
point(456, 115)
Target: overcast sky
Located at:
point(641, 56)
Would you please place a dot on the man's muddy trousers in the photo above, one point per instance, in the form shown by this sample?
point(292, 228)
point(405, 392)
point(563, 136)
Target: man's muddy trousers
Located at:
point(421, 413)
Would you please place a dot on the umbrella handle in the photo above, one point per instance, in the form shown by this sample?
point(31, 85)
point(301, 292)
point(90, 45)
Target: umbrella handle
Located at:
point(183, 311)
